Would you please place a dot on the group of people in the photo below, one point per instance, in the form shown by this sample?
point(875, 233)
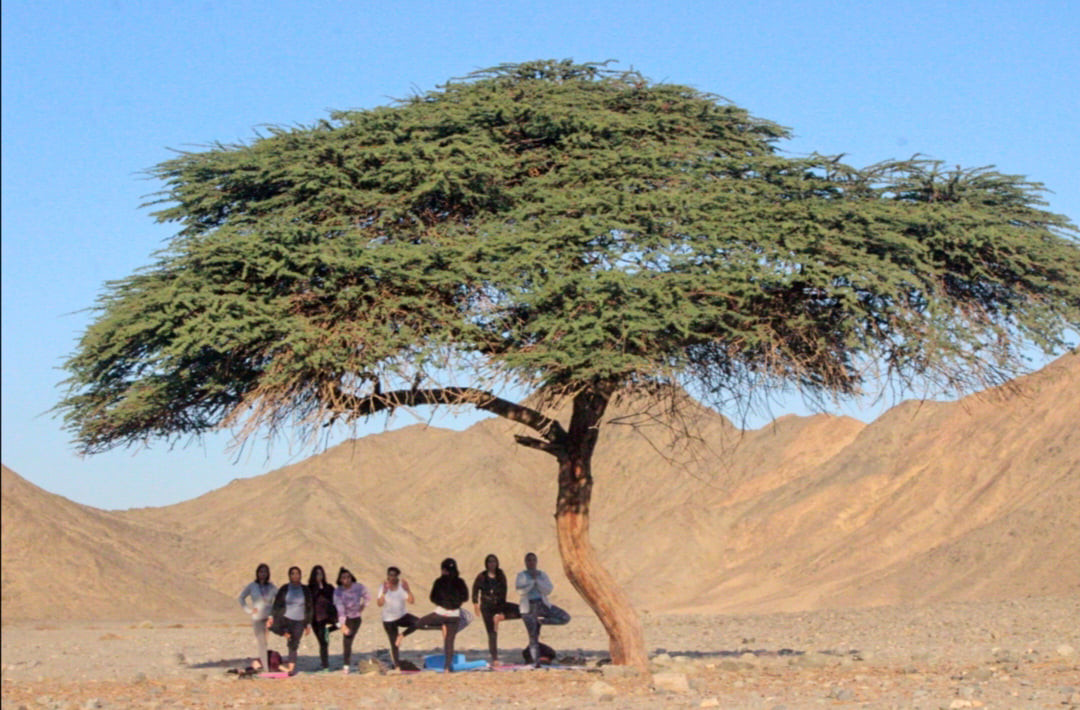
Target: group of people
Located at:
point(296, 609)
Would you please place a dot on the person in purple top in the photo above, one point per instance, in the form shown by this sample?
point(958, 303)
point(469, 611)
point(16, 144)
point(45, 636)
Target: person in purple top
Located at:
point(350, 598)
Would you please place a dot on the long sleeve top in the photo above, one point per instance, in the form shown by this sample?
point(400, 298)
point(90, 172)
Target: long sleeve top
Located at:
point(262, 599)
point(449, 592)
point(535, 585)
point(489, 591)
point(281, 602)
point(350, 601)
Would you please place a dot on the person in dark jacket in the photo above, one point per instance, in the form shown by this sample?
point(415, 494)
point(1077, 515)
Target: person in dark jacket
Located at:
point(322, 621)
point(448, 593)
point(489, 602)
point(293, 611)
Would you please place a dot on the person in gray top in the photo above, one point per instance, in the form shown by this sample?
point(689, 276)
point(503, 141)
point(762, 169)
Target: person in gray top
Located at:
point(534, 586)
point(257, 599)
point(293, 611)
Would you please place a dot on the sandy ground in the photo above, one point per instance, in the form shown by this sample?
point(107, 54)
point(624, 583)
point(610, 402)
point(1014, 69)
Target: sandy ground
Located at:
point(1016, 654)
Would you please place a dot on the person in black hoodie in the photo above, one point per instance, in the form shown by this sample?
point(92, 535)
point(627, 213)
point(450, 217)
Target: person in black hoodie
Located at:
point(448, 593)
point(322, 622)
point(489, 601)
point(292, 612)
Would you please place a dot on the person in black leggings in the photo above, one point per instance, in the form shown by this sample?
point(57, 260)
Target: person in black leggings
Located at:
point(394, 595)
point(448, 593)
point(489, 601)
point(292, 610)
point(322, 594)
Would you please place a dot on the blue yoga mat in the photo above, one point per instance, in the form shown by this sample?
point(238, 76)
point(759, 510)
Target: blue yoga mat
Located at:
point(435, 662)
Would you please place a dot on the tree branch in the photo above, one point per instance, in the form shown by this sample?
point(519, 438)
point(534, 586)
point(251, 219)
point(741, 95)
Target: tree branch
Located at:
point(550, 429)
point(554, 448)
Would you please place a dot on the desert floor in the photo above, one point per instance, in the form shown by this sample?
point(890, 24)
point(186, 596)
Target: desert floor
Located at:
point(1013, 654)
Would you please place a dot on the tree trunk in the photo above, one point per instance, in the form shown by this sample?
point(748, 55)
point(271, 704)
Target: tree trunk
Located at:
point(626, 641)
point(594, 583)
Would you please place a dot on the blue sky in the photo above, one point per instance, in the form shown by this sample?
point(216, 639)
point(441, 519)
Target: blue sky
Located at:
point(96, 92)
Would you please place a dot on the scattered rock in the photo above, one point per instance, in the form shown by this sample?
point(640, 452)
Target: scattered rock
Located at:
point(1065, 650)
point(613, 671)
point(709, 703)
point(601, 690)
point(671, 682)
point(814, 659)
point(842, 694)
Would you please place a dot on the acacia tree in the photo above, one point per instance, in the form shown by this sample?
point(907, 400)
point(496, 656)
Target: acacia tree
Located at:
point(569, 229)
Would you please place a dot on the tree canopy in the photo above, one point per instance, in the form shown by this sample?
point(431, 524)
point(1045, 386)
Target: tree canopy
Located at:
point(559, 225)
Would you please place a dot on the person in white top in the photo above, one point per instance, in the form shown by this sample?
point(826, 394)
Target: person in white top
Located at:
point(257, 600)
point(394, 594)
point(534, 586)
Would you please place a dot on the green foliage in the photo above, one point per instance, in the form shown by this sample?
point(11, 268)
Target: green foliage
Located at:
point(567, 227)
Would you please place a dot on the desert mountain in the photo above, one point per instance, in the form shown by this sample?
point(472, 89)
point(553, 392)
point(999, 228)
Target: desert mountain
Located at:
point(975, 499)
point(65, 560)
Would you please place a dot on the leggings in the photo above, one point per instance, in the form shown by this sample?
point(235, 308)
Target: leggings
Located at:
point(353, 627)
point(391, 628)
point(438, 621)
point(509, 611)
point(295, 632)
point(259, 627)
point(319, 629)
point(541, 613)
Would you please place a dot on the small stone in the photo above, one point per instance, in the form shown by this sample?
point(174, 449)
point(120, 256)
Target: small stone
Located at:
point(613, 671)
point(709, 703)
point(842, 694)
point(1065, 650)
point(93, 703)
point(600, 690)
point(146, 625)
point(671, 682)
point(662, 659)
point(813, 659)
point(960, 703)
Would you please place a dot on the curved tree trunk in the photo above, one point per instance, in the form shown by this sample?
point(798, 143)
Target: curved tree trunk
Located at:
point(626, 641)
point(594, 583)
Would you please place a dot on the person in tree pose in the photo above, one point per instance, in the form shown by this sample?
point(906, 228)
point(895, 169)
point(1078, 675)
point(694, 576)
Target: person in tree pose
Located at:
point(293, 610)
point(534, 586)
point(448, 593)
point(489, 602)
point(257, 599)
point(393, 596)
point(322, 592)
point(350, 598)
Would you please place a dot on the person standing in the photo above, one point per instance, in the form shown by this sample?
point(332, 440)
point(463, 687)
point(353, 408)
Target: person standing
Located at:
point(394, 595)
point(448, 593)
point(257, 600)
point(489, 602)
point(293, 610)
point(350, 598)
point(534, 586)
point(322, 592)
